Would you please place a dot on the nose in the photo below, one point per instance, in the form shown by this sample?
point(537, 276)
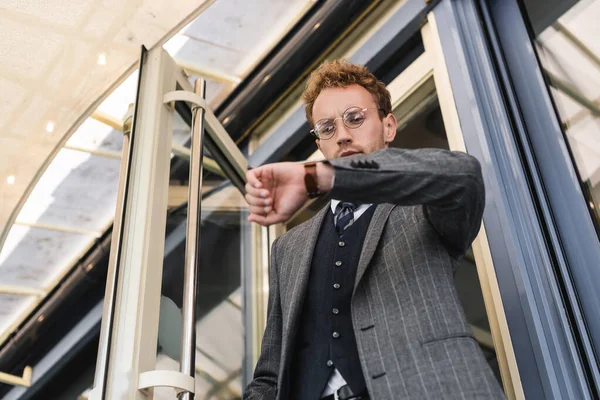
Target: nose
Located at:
point(343, 134)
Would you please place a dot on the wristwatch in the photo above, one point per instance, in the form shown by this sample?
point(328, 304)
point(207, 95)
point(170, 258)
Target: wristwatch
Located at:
point(310, 180)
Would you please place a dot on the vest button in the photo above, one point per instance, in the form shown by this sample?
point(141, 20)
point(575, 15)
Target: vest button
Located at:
point(335, 335)
point(338, 263)
point(329, 363)
point(341, 244)
point(336, 285)
point(336, 311)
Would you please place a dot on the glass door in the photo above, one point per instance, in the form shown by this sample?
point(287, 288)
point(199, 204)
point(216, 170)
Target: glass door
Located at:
point(159, 313)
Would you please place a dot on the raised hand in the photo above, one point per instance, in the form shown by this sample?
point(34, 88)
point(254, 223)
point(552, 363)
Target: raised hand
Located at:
point(274, 192)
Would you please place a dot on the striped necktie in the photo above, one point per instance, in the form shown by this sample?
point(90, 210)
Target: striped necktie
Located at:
point(344, 216)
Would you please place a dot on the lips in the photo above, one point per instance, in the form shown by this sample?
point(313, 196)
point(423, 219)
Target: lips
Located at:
point(349, 153)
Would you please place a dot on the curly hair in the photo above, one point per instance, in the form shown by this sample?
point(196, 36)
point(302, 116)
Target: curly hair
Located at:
point(341, 74)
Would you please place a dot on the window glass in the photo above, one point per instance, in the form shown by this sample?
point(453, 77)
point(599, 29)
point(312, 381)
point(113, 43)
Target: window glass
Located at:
point(219, 320)
point(566, 37)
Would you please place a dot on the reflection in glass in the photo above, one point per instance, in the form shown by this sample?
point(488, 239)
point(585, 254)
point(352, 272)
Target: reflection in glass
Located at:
point(566, 34)
point(219, 328)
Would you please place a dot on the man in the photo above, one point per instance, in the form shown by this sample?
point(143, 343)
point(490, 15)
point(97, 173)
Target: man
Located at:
point(362, 302)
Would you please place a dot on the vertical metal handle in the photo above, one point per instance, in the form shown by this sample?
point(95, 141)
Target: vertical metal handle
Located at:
point(188, 342)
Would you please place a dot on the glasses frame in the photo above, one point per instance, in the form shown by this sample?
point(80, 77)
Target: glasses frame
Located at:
point(333, 121)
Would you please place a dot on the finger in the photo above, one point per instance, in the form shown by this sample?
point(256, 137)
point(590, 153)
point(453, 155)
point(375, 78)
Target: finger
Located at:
point(253, 177)
point(257, 201)
point(256, 191)
point(260, 210)
point(260, 219)
point(257, 219)
point(272, 218)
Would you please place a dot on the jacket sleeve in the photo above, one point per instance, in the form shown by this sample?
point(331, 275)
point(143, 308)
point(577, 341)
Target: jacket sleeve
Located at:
point(264, 383)
point(448, 184)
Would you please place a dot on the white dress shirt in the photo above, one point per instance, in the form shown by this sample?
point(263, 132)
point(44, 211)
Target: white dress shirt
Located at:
point(336, 380)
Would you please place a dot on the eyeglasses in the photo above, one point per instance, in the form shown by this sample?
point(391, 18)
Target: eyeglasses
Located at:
point(353, 118)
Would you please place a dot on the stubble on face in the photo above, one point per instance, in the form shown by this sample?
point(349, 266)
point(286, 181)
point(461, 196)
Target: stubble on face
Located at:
point(369, 137)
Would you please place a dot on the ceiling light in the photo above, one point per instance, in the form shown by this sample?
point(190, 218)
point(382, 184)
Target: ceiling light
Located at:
point(102, 59)
point(10, 180)
point(50, 126)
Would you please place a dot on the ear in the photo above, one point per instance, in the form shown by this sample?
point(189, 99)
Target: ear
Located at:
point(389, 128)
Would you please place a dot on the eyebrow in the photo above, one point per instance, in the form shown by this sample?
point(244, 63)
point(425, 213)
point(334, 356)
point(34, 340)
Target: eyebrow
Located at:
point(341, 114)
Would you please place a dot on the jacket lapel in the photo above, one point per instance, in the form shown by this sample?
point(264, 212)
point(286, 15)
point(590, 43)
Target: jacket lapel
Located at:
point(301, 258)
point(382, 212)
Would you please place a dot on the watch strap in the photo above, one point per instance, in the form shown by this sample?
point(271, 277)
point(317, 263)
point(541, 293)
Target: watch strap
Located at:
point(310, 180)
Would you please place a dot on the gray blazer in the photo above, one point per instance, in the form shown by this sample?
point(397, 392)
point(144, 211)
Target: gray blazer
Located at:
point(413, 339)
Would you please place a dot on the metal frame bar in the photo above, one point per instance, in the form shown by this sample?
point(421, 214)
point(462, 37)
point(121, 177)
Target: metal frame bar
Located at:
point(59, 228)
point(108, 312)
point(108, 120)
point(24, 380)
point(411, 79)
point(485, 339)
point(136, 256)
point(100, 153)
point(224, 384)
point(190, 273)
point(22, 290)
point(255, 265)
point(593, 57)
point(209, 73)
point(222, 148)
point(573, 93)
point(209, 164)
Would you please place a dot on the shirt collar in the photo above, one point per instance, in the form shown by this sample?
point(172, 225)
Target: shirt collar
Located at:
point(334, 204)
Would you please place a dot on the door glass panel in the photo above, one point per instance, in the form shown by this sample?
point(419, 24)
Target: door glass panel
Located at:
point(566, 37)
point(219, 327)
point(219, 321)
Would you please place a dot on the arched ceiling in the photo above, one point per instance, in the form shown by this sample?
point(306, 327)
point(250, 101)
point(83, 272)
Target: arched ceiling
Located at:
point(63, 61)
point(59, 58)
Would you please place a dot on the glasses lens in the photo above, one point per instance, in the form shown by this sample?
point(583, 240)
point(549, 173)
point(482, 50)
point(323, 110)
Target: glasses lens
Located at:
point(354, 117)
point(324, 129)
